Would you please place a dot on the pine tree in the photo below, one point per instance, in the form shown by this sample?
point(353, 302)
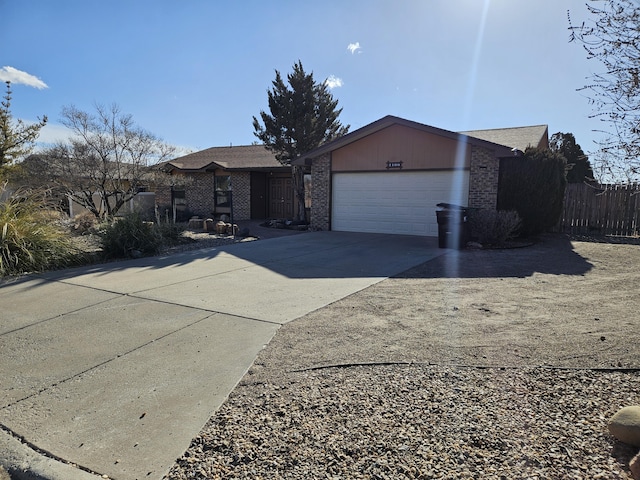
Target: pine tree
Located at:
point(302, 116)
point(579, 168)
point(16, 138)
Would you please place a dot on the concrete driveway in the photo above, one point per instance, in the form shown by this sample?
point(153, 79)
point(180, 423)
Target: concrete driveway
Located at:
point(116, 367)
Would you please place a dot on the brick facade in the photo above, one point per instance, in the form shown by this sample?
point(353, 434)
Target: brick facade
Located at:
point(241, 184)
point(163, 201)
point(321, 192)
point(483, 178)
point(199, 194)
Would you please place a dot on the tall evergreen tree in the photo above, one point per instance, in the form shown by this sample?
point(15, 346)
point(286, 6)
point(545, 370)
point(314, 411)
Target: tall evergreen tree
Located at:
point(533, 185)
point(16, 138)
point(579, 168)
point(302, 116)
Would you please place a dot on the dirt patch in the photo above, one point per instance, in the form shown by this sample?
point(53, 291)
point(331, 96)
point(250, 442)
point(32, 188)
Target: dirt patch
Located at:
point(557, 303)
point(520, 357)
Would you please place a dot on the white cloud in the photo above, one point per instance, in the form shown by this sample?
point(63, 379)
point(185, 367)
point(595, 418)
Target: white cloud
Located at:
point(52, 133)
point(19, 77)
point(333, 82)
point(353, 47)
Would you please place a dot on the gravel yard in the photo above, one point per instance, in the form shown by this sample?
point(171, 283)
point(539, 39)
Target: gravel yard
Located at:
point(479, 364)
point(417, 421)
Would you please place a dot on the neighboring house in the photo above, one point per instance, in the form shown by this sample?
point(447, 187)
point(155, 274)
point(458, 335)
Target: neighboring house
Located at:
point(142, 203)
point(389, 176)
point(210, 181)
point(520, 138)
point(40, 171)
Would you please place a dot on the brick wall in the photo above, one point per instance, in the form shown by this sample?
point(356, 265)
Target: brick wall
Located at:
point(163, 200)
point(483, 178)
point(163, 195)
point(199, 194)
point(321, 192)
point(241, 182)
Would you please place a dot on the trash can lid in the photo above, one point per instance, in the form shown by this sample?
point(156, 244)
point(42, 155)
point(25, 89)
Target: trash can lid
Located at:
point(451, 206)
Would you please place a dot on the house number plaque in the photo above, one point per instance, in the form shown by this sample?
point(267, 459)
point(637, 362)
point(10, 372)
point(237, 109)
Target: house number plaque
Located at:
point(397, 165)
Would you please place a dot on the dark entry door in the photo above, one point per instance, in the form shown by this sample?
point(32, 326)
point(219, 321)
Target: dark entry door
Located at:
point(280, 198)
point(258, 196)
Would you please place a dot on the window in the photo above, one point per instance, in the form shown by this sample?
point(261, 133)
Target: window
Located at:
point(179, 204)
point(222, 187)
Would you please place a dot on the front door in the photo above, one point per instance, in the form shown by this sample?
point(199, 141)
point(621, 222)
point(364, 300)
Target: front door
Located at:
point(280, 198)
point(258, 196)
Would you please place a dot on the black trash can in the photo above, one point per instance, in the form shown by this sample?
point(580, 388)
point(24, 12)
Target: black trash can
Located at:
point(453, 228)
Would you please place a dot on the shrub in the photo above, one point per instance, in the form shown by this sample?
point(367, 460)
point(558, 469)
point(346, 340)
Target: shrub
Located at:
point(494, 227)
point(533, 185)
point(131, 237)
point(84, 222)
point(30, 241)
point(171, 232)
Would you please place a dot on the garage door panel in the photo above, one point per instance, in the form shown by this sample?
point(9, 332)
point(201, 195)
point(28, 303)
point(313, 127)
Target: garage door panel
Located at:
point(393, 202)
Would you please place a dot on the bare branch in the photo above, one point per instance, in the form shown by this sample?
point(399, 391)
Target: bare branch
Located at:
point(613, 38)
point(109, 157)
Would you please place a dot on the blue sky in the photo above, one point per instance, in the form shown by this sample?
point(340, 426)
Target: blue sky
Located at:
point(195, 72)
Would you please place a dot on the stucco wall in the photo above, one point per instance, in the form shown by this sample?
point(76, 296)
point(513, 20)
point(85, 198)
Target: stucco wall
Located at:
point(416, 149)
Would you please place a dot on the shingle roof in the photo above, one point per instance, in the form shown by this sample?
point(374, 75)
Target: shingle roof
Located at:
point(246, 157)
point(515, 137)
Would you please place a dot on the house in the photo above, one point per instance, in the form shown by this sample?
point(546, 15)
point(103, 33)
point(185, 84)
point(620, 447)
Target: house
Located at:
point(389, 176)
point(520, 138)
point(210, 182)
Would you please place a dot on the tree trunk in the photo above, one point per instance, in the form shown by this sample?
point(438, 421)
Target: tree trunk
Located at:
point(297, 174)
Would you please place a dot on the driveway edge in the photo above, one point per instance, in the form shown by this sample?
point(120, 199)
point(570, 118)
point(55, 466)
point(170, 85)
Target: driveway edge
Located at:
point(24, 463)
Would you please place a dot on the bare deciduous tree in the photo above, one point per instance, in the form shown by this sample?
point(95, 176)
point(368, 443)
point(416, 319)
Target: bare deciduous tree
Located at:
point(612, 37)
point(106, 161)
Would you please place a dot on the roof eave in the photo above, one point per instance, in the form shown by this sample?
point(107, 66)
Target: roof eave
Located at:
point(385, 122)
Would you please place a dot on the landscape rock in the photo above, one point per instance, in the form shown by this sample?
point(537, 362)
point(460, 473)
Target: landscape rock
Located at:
point(221, 227)
point(634, 466)
point(625, 425)
point(209, 225)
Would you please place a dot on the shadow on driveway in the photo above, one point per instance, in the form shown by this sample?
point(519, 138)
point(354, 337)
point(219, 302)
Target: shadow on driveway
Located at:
point(348, 255)
point(552, 254)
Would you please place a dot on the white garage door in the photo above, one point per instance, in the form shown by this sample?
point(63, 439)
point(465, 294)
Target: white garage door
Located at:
point(394, 202)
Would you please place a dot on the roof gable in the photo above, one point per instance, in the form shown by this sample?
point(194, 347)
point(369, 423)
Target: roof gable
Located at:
point(388, 121)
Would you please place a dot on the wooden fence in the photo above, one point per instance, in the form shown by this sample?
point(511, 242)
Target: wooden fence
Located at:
point(601, 209)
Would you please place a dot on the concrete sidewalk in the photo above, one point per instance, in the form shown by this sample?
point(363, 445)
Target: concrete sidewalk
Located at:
point(116, 367)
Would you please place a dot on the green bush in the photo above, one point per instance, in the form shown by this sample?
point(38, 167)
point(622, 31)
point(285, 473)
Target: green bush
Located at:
point(131, 237)
point(31, 237)
point(533, 185)
point(494, 227)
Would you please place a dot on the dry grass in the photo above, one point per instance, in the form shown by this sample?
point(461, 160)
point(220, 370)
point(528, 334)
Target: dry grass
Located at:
point(32, 238)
